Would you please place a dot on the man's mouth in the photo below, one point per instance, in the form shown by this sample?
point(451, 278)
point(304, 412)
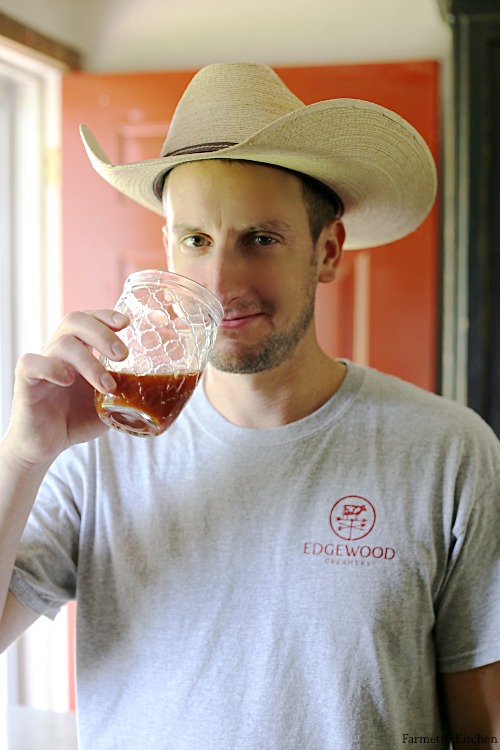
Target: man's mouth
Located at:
point(238, 320)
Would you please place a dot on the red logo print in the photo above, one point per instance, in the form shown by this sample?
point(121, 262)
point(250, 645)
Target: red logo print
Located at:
point(352, 517)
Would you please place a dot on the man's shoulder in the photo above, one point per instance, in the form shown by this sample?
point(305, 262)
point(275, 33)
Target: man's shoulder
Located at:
point(420, 410)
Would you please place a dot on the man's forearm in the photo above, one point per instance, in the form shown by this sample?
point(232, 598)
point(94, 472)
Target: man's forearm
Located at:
point(18, 489)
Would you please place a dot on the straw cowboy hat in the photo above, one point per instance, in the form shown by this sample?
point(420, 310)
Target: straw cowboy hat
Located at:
point(370, 157)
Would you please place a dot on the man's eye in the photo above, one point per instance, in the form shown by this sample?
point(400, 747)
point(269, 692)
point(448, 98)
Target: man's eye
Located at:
point(263, 240)
point(195, 241)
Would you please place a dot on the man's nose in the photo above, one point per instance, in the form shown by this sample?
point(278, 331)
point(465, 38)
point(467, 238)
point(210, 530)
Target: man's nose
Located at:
point(226, 274)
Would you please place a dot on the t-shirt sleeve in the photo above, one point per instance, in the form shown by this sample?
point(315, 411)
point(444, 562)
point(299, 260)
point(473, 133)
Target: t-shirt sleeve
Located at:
point(44, 575)
point(468, 610)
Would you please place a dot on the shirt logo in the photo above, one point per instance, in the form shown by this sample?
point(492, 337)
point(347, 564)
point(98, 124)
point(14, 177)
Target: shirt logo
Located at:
point(352, 517)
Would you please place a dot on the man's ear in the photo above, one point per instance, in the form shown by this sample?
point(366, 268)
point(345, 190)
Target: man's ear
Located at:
point(330, 244)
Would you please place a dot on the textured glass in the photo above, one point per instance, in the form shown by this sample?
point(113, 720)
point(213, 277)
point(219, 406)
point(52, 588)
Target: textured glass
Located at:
point(173, 326)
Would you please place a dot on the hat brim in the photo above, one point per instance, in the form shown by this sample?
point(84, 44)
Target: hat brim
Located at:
point(377, 163)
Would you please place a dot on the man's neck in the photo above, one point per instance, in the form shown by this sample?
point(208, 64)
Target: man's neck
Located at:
point(275, 397)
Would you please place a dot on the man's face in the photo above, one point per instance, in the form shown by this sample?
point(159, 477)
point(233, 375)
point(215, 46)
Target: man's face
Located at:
point(242, 231)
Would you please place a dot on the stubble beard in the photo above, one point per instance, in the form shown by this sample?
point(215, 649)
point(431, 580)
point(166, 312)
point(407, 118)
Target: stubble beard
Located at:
point(277, 346)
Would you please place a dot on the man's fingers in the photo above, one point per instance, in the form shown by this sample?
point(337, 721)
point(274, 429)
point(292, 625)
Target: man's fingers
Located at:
point(88, 329)
point(33, 368)
point(77, 356)
point(70, 351)
point(111, 318)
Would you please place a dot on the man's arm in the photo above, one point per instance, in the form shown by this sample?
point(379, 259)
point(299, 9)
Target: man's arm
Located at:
point(18, 490)
point(472, 701)
point(53, 408)
point(16, 619)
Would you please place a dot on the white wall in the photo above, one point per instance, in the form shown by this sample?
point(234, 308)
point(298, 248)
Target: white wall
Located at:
point(59, 19)
point(167, 34)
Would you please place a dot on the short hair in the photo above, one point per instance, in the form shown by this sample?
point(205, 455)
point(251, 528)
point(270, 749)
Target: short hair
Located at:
point(322, 205)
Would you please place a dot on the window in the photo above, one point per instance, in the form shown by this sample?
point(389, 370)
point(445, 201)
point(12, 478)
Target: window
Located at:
point(35, 670)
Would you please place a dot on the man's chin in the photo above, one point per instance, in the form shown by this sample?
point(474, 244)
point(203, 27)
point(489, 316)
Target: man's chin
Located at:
point(240, 358)
point(238, 366)
point(253, 361)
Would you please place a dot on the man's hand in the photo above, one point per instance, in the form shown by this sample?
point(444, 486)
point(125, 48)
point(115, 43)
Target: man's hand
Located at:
point(53, 405)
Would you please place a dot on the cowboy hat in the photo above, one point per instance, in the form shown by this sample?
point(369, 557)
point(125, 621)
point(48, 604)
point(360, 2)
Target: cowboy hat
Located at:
point(376, 162)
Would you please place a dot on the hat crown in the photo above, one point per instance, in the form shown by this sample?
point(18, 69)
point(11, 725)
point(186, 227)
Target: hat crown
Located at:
point(227, 103)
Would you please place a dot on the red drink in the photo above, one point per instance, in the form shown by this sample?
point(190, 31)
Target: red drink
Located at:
point(145, 405)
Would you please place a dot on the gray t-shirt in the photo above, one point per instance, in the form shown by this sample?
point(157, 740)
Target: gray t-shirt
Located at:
point(289, 589)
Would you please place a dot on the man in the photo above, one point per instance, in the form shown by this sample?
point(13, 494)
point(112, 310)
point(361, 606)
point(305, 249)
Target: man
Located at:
point(308, 558)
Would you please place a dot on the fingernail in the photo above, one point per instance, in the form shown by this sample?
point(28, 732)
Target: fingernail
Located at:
point(119, 318)
point(108, 382)
point(119, 348)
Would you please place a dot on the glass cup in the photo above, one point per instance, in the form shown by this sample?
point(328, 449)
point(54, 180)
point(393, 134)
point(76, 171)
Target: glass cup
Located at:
point(173, 326)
